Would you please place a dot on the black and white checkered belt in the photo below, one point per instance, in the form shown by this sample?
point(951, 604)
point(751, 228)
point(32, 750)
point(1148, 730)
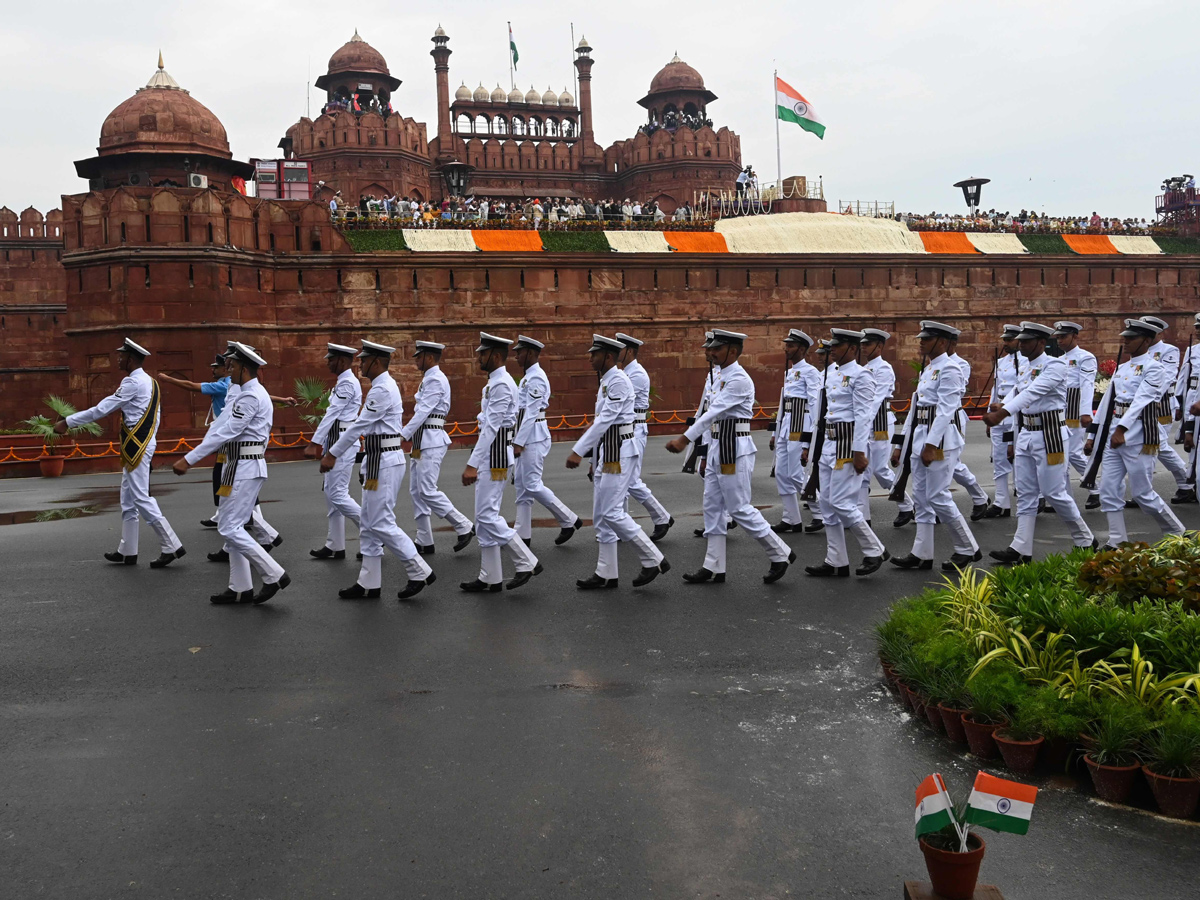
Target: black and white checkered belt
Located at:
point(233, 452)
point(1050, 420)
point(795, 409)
point(727, 431)
point(639, 415)
point(374, 446)
point(615, 435)
point(925, 415)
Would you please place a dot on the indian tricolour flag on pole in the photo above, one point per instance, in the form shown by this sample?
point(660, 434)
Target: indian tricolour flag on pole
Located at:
point(512, 46)
point(792, 107)
point(1000, 805)
point(934, 810)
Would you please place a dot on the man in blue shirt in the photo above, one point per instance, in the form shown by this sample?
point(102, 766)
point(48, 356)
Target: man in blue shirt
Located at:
point(218, 388)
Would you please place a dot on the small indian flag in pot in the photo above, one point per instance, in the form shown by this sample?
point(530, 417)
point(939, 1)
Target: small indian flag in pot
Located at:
point(1000, 805)
point(792, 107)
point(934, 810)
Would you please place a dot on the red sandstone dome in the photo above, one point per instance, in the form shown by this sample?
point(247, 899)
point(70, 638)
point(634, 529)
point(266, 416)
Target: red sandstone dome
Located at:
point(677, 77)
point(163, 118)
point(356, 55)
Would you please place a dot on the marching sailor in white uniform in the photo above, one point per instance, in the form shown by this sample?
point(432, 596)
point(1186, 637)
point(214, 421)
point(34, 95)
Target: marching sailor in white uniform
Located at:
point(936, 447)
point(531, 443)
point(850, 416)
point(382, 468)
point(798, 404)
point(1135, 438)
point(962, 473)
point(1168, 355)
point(640, 379)
point(731, 454)
point(1008, 367)
point(701, 446)
point(487, 469)
point(344, 402)
point(614, 448)
point(1039, 401)
point(427, 431)
point(137, 398)
point(1187, 388)
point(879, 450)
point(240, 434)
point(1081, 390)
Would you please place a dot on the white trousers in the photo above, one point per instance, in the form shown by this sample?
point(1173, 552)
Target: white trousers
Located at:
point(841, 496)
point(729, 496)
point(428, 499)
point(1171, 460)
point(1002, 467)
point(1129, 461)
point(612, 521)
point(1036, 478)
point(243, 549)
point(339, 505)
point(879, 467)
point(527, 476)
point(638, 489)
point(790, 477)
point(965, 477)
point(1077, 437)
point(136, 504)
point(932, 500)
point(260, 529)
point(378, 530)
point(492, 532)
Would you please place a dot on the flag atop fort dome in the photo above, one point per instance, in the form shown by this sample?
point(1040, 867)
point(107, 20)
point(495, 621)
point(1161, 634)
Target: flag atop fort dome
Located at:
point(792, 107)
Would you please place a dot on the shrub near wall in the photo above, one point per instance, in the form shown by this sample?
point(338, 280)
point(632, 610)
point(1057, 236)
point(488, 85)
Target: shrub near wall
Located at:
point(371, 241)
point(575, 242)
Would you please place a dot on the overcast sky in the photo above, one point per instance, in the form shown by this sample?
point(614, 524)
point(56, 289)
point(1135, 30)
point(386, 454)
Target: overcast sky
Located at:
point(1068, 106)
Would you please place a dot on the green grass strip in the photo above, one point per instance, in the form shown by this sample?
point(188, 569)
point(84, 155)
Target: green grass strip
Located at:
point(1044, 243)
point(575, 242)
point(1178, 245)
point(371, 241)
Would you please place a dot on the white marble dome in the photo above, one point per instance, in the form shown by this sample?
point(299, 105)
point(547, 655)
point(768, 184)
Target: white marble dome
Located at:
point(533, 96)
point(565, 99)
point(498, 95)
point(463, 93)
point(515, 96)
point(482, 94)
point(549, 98)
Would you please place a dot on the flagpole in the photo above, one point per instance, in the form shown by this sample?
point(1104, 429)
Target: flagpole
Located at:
point(511, 79)
point(574, 71)
point(778, 151)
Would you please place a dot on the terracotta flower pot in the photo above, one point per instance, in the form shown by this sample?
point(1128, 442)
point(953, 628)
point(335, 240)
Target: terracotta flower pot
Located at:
point(51, 466)
point(1112, 783)
point(889, 676)
point(952, 723)
point(1019, 756)
point(979, 737)
point(1176, 797)
point(954, 874)
point(906, 695)
point(918, 705)
point(1055, 753)
point(934, 715)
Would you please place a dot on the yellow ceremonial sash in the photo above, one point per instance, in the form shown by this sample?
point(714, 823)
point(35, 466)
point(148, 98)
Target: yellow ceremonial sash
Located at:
point(134, 440)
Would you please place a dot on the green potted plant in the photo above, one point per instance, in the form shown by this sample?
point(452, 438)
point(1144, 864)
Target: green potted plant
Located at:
point(1172, 756)
point(1021, 739)
point(992, 690)
point(1064, 721)
point(1112, 759)
point(51, 462)
point(955, 703)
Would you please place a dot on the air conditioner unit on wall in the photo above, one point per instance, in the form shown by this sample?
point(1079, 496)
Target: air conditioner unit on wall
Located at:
point(139, 179)
point(197, 181)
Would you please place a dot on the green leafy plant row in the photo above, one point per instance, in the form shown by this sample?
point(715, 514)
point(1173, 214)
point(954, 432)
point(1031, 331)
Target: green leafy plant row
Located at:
point(372, 241)
point(575, 242)
point(1044, 243)
point(1178, 245)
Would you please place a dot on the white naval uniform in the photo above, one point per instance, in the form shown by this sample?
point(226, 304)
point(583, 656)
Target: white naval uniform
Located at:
point(1187, 389)
point(962, 474)
point(246, 418)
point(731, 398)
point(497, 416)
point(258, 526)
point(132, 398)
point(638, 489)
point(1168, 356)
point(879, 444)
point(939, 395)
point(381, 414)
point(533, 437)
point(1008, 367)
point(1081, 378)
point(850, 389)
point(344, 401)
point(1039, 399)
point(801, 384)
point(610, 490)
point(431, 409)
point(1138, 382)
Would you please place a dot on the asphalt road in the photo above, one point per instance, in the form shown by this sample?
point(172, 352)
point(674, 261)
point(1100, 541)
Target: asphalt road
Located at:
point(676, 741)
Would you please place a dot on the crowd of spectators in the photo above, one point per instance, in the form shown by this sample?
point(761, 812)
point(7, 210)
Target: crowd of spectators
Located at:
point(354, 104)
point(1024, 222)
point(547, 213)
point(673, 121)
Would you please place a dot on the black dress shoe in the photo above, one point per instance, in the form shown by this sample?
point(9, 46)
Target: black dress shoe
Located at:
point(270, 590)
point(825, 570)
point(817, 525)
point(911, 561)
point(732, 525)
point(904, 517)
point(1131, 504)
point(358, 555)
point(425, 549)
point(565, 534)
point(996, 512)
point(1184, 495)
point(978, 511)
point(595, 583)
point(218, 556)
point(1043, 506)
point(415, 586)
point(778, 569)
point(788, 527)
point(871, 564)
point(698, 532)
point(165, 559)
point(357, 592)
point(229, 596)
point(649, 573)
point(326, 553)
point(1009, 556)
point(463, 540)
point(961, 561)
point(479, 587)
point(702, 575)
point(209, 523)
point(275, 543)
point(660, 531)
point(1093, 502)
point(521, 578)
point(528, 541)
point(116, 557)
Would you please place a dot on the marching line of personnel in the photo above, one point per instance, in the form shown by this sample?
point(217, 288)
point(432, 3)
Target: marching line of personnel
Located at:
point(834, 432)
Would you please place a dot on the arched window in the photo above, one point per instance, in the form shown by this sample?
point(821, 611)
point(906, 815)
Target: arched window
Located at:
point(463, 124)
point(518, 125)
point(552, 127)
point(499, 125)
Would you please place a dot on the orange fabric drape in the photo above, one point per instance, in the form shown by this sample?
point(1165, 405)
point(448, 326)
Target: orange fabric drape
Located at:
point(946, 242)
point(696, 241)
point(498, 241)
point(1090, 244)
